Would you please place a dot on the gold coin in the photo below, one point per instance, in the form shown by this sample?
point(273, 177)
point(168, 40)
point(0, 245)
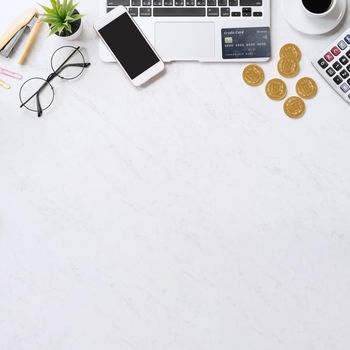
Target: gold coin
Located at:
point(253, 75)
point(294, 107)
point(290, 51)
point(306, 88)
point(288, 67)
point(276, 89)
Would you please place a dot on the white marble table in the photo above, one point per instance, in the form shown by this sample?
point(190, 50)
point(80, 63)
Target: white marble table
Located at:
point(190, 215)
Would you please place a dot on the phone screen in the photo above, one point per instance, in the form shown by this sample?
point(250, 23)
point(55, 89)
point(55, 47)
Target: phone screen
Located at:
point(128, 45)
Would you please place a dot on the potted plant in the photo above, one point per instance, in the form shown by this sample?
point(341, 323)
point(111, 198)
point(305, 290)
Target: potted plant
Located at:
point(63, 19)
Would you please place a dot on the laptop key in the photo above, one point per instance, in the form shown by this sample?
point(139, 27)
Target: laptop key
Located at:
point(225, 12)
point(157, 2)
point(118, 2)
point(145, 12)
point(257, 14)
point(190, 2)
point(167, 3)
point(211, 2)
point(200, 2)
point(247, 12)
point(212, 11)
point(179, 3)
point(236, 14)
point(233, 2)
point(146, 2)
point(251, 2)
point(179, 12)
point(222, 2)
point(134, 11)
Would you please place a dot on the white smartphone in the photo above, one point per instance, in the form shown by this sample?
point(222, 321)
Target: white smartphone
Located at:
point(129, 46)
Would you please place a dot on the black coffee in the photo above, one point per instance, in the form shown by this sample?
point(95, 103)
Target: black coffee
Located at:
point(317, 6)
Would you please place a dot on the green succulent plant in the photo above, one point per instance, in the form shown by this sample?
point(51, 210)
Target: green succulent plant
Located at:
point(60, 16)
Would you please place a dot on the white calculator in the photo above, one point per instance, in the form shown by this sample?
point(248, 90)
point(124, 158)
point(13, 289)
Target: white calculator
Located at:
point(334, 65)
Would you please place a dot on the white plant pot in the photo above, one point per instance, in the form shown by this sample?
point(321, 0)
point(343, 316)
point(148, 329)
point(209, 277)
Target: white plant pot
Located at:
point(75, 35)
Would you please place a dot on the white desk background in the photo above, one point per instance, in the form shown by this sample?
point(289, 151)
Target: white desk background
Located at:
point(189, 215)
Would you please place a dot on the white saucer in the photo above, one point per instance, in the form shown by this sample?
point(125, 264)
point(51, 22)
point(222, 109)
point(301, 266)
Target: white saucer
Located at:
point(295, 15)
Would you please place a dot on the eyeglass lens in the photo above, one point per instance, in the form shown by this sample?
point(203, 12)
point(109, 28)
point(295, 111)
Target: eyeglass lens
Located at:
point(46, 94)
point(73, 67)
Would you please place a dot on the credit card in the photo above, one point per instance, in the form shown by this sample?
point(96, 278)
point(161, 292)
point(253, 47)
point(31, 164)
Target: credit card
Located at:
point(246, 43)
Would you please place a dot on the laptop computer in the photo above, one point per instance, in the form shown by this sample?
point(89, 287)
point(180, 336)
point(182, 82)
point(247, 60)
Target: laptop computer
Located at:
point(201, 30)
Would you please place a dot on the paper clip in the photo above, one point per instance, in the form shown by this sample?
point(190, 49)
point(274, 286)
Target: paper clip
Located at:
point(10, 74)
point(4, 84)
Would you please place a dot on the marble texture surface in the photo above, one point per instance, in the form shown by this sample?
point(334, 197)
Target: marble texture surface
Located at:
point(191, 214)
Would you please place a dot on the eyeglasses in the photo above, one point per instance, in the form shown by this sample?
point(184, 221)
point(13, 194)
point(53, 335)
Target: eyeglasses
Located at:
point(37, 94)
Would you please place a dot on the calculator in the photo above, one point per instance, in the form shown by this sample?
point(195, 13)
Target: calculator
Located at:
point(334, 65)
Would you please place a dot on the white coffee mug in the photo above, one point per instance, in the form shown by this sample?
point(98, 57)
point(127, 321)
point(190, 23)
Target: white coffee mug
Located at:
point(332, 7)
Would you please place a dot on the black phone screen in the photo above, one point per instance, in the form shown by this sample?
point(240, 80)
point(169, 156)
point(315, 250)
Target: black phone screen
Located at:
point(128, 45)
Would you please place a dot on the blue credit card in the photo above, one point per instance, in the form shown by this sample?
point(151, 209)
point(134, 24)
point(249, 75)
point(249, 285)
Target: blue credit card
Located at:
point(246, 43)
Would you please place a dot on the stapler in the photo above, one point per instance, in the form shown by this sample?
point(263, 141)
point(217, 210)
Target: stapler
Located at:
point(28, 19)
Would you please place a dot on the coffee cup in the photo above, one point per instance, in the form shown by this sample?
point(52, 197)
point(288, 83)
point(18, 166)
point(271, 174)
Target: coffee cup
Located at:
point(318, 8)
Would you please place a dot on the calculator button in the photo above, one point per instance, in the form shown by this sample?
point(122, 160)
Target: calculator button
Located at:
point(348, 67)
point(344, 74)
point(323, 63)
point(329, 57)
point(345, 87)
point(330, 71)
point(347, 38)
point(337, 66)
point(342, 45)
point(343, 60)
point(348, 53)
point(337, 79)
point(335, 51)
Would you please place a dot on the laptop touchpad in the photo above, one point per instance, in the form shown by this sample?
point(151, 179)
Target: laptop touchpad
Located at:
point(185, 40)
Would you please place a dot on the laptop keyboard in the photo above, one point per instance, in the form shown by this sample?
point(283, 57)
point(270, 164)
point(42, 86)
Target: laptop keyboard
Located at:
point(190, 8)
